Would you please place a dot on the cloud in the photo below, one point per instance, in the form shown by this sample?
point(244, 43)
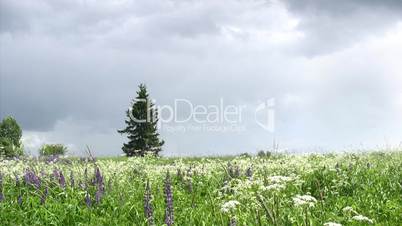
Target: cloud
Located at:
point(68, 69)
point(331, 26)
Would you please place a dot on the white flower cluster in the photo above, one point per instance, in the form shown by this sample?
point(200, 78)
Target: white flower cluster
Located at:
point(304, 200)
point(357, 217)
point(229, 206)
point(362, 218)
point(348, 209)
point(332, 224)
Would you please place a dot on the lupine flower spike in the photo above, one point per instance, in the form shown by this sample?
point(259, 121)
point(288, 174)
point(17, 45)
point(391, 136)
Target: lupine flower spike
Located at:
point(148, 209)
point(169, 216)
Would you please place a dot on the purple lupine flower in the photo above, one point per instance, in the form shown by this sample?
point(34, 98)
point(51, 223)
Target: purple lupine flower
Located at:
point(148, 209)
point(62, 180)
point(19, 200)
point(87, 200)
point(169, 216)
point(56, 174)
point(72, 182)
point(30, 178)
point(1, 196)
point(44, 196)
point(98, 195)
point(99, 179)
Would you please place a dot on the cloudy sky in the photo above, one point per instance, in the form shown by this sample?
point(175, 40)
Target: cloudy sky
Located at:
point(69, 68)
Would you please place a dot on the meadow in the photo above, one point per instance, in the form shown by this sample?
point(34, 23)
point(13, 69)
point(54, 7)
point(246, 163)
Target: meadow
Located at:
point(331, 189)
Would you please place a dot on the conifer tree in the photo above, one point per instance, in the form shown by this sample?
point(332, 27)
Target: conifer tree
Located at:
point(141, 129)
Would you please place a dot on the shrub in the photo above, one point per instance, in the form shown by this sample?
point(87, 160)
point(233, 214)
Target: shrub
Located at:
point(245, 155)
point(8, 149)
point(264, 154)
point(10, 137)
point(261, 154)
point(52, 149)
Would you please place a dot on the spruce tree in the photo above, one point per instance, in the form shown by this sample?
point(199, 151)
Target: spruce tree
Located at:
point(141, 130)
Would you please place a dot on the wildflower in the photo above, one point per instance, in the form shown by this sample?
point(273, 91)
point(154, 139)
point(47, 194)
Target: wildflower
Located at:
point(56, 174)
point(169, 217)
point(190, 185)
point(304, 200)
point(362, 218)
point(98, 195)
point(229, 206)
point(232, 221)
point(332, 224)
point(62, 180)
point(30, 178)
point(17, 180)
point(44, 196)
point(148, 209)
point(349, 209)
point(1, 188)
point(179, 174)
point(279, 179)
point(98, 176)
point(237, 171)
point(87, 200)
point(19, 200)
point(72, 182)
point(249, 172)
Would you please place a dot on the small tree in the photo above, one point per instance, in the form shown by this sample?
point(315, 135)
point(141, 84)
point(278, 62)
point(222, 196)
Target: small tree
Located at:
point(10, 137)
point(52, 149)
point(141, 130)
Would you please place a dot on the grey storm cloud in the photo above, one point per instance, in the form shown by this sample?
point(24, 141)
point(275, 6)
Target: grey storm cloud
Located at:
point(332, 25)
point(68, 69)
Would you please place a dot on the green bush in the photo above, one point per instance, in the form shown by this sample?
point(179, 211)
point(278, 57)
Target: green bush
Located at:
point(264, 154)
point(10, 137)
point(52, 149)
point(8, 149)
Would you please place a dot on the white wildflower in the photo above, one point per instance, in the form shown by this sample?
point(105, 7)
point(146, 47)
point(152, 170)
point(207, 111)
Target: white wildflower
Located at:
point(304, 200)
point(274, 187)
point(280, 179)
point(347, 209)
point(229, 205)
point(362, 218)
point(332, 224)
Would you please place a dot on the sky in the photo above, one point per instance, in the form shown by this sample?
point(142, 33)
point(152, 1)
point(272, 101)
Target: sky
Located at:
point(313, 76)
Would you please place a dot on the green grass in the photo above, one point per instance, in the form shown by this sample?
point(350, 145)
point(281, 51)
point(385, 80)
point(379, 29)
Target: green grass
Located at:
point(370, 183)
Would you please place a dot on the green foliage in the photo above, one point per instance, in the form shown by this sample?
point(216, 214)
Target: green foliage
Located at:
point(8, 149)
point(263, 153)
point(141, 130)
point(10, 137)
point(52, 149)
point(285, 190)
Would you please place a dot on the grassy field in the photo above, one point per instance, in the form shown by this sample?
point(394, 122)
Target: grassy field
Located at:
point(347, 189)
